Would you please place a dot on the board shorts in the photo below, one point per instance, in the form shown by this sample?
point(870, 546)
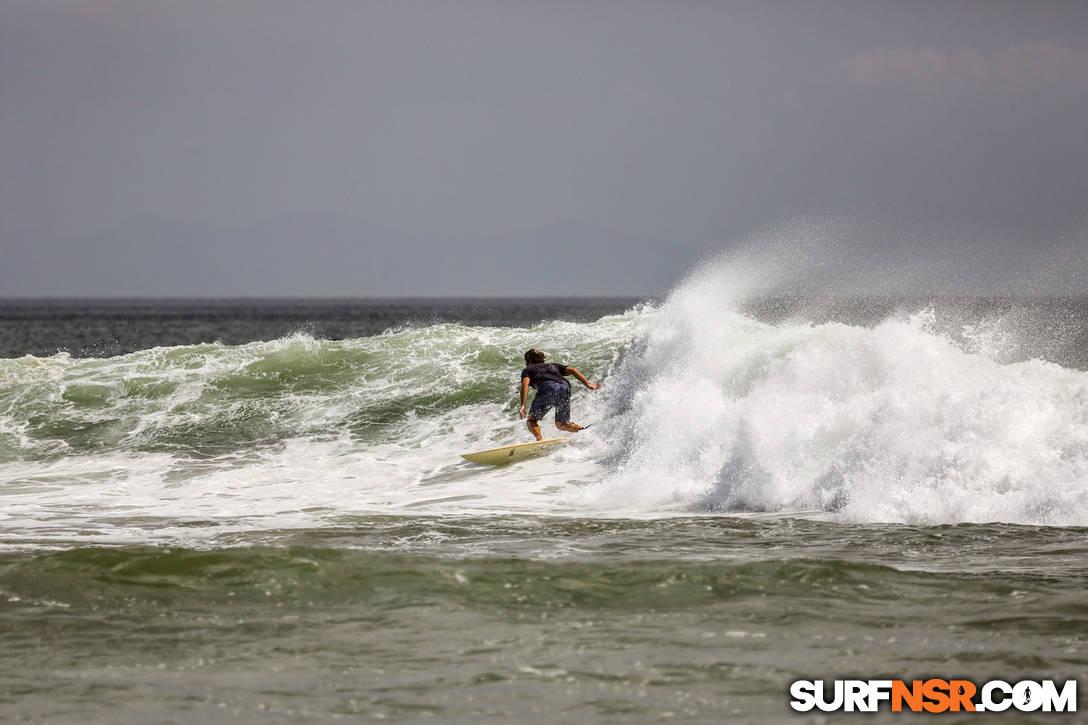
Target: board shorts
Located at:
point(552, 395)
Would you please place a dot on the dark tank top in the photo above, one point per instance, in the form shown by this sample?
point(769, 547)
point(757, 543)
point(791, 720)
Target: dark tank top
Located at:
point(539, 372)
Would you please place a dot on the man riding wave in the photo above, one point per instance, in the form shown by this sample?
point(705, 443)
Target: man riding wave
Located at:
point(552, 391)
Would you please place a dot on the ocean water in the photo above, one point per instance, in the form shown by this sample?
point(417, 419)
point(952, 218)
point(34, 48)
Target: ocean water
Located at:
point(255, 511)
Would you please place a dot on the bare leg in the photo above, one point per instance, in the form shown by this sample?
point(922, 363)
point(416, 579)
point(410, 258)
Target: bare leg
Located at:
point(534, 427)
point(568, 427)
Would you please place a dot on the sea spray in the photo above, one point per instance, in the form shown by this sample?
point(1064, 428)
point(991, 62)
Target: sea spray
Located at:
point(715, 411)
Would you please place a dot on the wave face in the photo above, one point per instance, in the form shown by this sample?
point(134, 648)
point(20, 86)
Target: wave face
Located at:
point(896, 422)
point(190, 442)
point(706, 409)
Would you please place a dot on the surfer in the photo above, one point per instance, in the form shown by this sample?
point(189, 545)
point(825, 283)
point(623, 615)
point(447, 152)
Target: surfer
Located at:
point(552, 391)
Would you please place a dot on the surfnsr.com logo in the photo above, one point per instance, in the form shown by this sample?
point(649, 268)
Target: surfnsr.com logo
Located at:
point(933, 695)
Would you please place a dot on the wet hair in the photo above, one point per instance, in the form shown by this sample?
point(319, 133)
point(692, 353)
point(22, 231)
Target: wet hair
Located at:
point(534, 356)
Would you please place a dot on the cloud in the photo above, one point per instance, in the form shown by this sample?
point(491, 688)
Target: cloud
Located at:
point(1019, 68)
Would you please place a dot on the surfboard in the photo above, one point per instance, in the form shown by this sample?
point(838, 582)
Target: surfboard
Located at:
point(509, 454)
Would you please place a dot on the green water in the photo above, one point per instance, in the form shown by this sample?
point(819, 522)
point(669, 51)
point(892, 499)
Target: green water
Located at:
point(530, 619)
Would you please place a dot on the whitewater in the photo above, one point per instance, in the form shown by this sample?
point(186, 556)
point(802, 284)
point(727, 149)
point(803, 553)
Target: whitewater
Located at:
point(705, 409)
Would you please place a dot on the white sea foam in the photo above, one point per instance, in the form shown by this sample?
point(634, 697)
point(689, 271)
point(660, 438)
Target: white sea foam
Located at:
point(892, 423)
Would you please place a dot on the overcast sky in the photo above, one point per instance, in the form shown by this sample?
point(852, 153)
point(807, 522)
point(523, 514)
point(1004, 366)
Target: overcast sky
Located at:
point(264, 147)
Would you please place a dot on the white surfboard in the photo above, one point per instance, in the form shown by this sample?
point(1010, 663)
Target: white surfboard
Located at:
point(509, 454)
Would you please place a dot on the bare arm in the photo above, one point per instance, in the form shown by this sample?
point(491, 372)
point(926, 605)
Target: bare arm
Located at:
point(582, 378)
point(524, 391)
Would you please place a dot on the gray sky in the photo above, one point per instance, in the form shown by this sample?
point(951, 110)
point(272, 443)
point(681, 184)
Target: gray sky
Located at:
point(263, 147)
